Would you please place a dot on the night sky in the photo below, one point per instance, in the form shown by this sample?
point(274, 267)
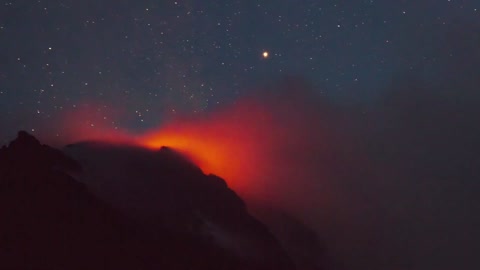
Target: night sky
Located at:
point(398, 80)
point(152, 59)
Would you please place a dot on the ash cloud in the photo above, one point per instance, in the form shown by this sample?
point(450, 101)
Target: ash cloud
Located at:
point(392, 184)
point(388, 185)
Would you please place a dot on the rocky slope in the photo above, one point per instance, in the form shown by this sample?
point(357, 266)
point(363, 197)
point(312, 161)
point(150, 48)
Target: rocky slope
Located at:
point(52, 217)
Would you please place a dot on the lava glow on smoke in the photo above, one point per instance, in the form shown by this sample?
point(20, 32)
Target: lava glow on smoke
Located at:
point(264, 148)
point(227, 143)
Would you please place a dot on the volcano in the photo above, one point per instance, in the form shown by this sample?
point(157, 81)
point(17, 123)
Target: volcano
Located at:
point(97, 205)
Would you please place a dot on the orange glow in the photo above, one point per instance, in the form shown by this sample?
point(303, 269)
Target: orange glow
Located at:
point(270, 148)
point(226, 145)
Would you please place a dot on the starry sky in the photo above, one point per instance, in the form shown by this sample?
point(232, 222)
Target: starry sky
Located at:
point(406, 73)
point(157, 58)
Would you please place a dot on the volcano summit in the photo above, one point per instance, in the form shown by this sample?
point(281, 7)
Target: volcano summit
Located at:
point(97, 205)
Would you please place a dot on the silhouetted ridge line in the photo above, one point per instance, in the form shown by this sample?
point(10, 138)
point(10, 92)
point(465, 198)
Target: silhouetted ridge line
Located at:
point(181, 218)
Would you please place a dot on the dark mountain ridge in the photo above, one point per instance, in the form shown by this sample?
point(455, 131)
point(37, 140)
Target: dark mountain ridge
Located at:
point(52, 216)
point(162, 188)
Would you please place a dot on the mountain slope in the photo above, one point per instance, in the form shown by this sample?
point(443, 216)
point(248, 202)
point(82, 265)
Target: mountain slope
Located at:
point(162, 188)
point(187, 220)
point(49, 220)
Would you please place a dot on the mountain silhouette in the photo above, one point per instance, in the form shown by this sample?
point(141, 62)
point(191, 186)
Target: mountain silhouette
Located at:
point(96, 205)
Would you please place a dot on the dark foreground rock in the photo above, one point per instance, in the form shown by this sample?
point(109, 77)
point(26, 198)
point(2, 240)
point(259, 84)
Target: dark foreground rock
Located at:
point(50, 220)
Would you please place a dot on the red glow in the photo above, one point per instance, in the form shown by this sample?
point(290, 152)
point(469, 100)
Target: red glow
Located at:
point(273, 149)
point(228, 144)
point(84, 122)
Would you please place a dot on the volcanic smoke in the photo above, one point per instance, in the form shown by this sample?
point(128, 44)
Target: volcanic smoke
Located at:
point(283, 149)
